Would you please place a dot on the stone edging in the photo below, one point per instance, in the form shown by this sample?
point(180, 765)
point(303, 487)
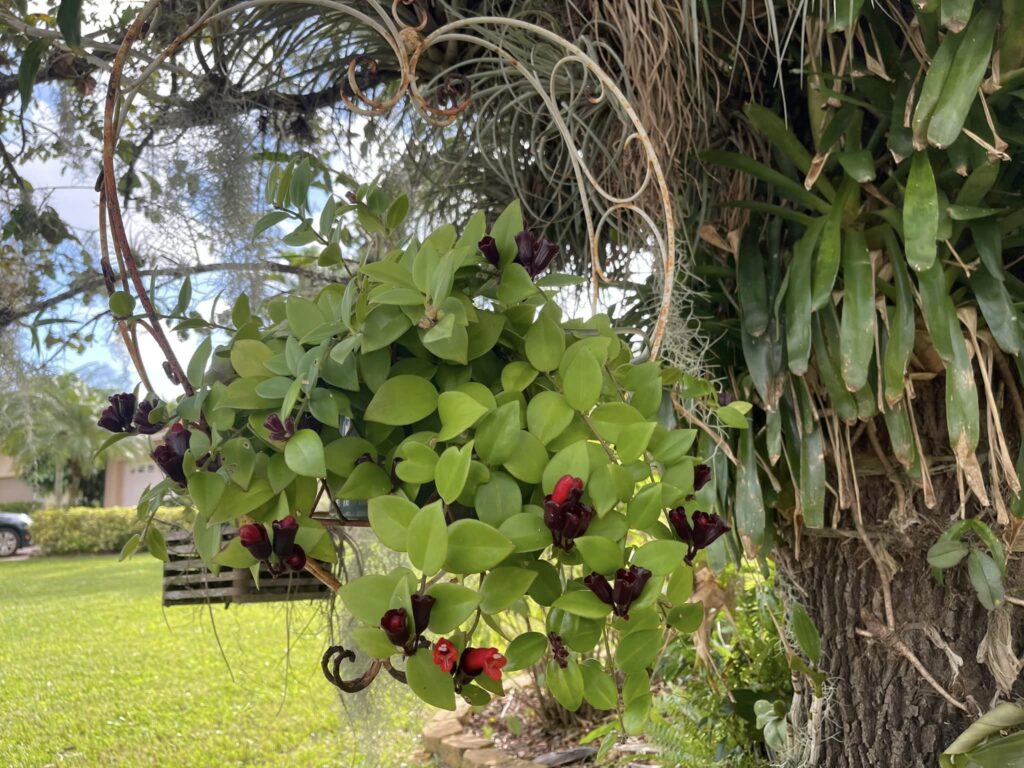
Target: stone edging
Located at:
point(444, 738)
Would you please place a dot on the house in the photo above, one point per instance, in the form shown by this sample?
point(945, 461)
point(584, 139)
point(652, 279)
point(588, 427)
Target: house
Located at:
point(12, 487)
point(126, 479)
point(124, 482)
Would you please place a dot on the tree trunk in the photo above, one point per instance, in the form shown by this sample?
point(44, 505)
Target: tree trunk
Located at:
point(879, 710)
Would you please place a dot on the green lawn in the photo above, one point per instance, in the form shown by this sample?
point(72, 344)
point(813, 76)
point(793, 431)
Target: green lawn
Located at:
point(93, 672)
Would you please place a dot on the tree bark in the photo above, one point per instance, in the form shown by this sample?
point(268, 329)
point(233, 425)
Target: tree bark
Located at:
point(879, 710)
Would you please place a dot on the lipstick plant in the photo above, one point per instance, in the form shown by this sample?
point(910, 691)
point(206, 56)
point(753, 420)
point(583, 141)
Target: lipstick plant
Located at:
point(530, 469)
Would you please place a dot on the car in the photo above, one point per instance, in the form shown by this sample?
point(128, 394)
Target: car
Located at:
point(14, 532)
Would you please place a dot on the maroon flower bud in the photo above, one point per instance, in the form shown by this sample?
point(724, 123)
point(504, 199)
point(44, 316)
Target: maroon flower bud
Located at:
point(707, 528)
point(395, 624)
point(309, 421)
point(142, 423)
point(701, 475)
point(170, 454)
point(486, 660)
point(279, 430)
point(681, 524)
point(297, 559)
point(285, 530)
point(489, 249)
point(254, 538)
point(558, 650)
point(421, 608)
point(534, 255)
point(599, 585)
point(629, 583)
point(117, 417)
point(725, 398)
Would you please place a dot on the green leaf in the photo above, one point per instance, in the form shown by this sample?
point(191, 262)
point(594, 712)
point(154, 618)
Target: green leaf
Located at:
point(583, 603)
point(373, 642)
point(304, 454)
point(506, 227)
point(368, 597)
point(548, 415)
point(454, 604)
point(474, 547)
point(497, 435)
point(528, 460)
point(503, 586)
point(526, 531)
point(248, 356)
point(583, 380)
point(598, 686)
point(566, 685)
point(390, 517)
point(921, 213)
point(945, 553)
point(206, 489)
point(660, 557)
point(986, 579)
point(397, 211)
point(69, 21)
point(805, 632)
point(458, 412)
point(452, 470)
point(366, 481)
point(236, 502)
point(633, 441)
point(402, 400)
point(645, 507)
point(234, 555)
point(600, 554)
point(197, 363)
point(686, 618)
point(129, 547)
point(498, 499)
point(303, 316)
point(545, 343)
point(517, 376)
point(427, 681)
point(268, 220)
point(28, 69)
point(638, 650)
point(525, 651)
point(428, 539)
point(122, 304)
point(156, 544)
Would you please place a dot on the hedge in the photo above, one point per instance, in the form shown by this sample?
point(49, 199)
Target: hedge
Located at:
point(90, 530)
point(20, 507)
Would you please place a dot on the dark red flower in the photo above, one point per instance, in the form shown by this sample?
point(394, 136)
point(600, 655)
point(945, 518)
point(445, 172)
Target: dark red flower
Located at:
point(701, 475)
point(297, 559)
point(446, 655)
point(599, 585)
point(534, 255)
point(421, 608)
point(142, 414)
point(489, 249)
point(629, 583)
point(564, 514)
point(706, 528)
point(486, 660)
point(395, 624)
point(170, 454)
point(254, 538)
point(117, 417)
point(558, 650)
point(279, 430)
point(285, 530)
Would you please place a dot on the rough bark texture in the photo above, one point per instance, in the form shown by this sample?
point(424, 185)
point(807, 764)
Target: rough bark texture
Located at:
point(882, 713)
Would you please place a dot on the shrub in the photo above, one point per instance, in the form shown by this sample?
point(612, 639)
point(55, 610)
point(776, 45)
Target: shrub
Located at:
point(20, 507)
point(91, 530)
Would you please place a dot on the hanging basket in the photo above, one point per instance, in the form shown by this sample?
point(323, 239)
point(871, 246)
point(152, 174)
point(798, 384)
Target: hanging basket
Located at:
point(187, 581)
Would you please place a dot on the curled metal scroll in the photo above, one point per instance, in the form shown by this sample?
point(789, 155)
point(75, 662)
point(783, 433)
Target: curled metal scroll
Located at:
point(331, 663)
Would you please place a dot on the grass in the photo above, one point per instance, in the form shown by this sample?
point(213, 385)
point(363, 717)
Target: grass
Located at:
point(93, 672)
